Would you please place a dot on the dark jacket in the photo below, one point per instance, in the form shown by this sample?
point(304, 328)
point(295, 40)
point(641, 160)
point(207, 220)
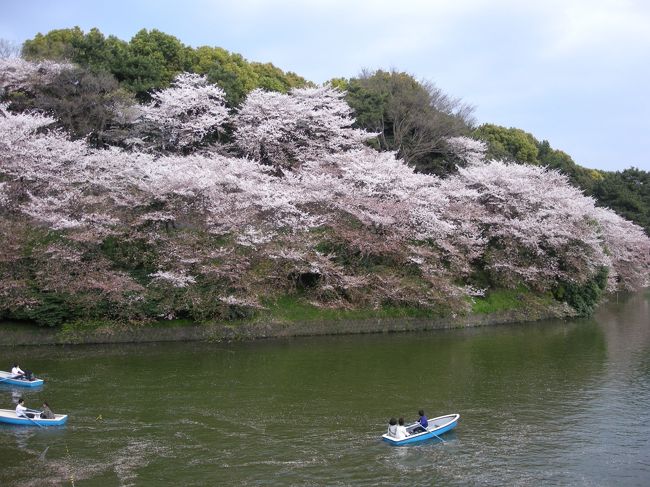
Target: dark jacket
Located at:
point(47, 413)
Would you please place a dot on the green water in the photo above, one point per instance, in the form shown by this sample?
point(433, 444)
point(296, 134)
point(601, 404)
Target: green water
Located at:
point(551, 403)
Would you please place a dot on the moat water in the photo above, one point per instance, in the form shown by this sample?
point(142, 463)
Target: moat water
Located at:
point(549, 403)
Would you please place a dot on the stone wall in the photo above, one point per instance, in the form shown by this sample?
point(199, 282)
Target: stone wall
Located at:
point(252, 331)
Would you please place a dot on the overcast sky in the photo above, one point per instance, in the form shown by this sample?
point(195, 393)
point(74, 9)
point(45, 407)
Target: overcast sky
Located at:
point(574, 72)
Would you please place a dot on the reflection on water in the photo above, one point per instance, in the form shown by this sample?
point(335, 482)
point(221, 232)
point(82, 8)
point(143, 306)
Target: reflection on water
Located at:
point(551, 403)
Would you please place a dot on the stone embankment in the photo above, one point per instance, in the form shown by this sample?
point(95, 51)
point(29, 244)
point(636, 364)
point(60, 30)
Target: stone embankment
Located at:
point(219, 332)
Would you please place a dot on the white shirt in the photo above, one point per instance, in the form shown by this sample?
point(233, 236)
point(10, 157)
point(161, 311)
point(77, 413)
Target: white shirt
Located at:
point(401, 432)
point(16, 370)
point(20, 411)
point(392, 430)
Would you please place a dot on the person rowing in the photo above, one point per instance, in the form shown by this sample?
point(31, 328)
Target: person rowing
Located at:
point(21, 410)
point(19, 373)
point(423, 422)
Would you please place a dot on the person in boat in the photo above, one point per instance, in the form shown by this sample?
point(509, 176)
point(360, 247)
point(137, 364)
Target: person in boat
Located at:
point(401, 430)
point(47, 413)
point(21, 410)
point(424, 422)
point(18, 373)
point(392, 427)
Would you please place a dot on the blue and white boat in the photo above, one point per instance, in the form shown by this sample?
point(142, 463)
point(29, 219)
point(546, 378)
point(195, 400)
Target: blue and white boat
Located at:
point(437, 426)
point(8, 378)
point(9, 416)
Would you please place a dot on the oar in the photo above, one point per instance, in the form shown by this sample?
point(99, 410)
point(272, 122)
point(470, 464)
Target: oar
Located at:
point(41, 457)
point(39, 425)
point(437, 436)
point(427, 430)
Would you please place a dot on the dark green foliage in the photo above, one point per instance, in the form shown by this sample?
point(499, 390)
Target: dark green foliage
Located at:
point(151, 59)
point(137, 257)
point(57, 44)
point(583, 297)
point(556, 159)
point(272, 78)
point(230, 83)
point(413, 118)
point(509, 144)
point(52, 310)
point(628, 193)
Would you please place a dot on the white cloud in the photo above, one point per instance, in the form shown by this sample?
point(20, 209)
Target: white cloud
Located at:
point(607, 26)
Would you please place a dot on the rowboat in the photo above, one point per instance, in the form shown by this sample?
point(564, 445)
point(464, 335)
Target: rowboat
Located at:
point(7, 378)
point(9, 416)
point(437, 426)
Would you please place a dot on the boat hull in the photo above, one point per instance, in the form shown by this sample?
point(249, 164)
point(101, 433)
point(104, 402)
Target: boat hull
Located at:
point(5, 378)
point(437, 427)
point(8, 416)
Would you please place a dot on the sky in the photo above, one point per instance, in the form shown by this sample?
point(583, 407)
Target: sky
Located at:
point(573, 72)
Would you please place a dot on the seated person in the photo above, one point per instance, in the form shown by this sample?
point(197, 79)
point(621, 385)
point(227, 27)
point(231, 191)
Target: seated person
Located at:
point(21, 410)
point(47, 412)
point(401, 430)
point(17, 372)
point(392, 427)
point(424, 423)
point(21, 374)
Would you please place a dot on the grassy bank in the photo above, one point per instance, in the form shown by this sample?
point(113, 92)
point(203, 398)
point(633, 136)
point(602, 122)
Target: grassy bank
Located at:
point(294, 309)
point(293, 316)
point(509, 299)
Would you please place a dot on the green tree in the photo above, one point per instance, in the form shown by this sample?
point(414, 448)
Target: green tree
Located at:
point(509, 143)
point(413, 118)
point(628, 193)
point(583, 297)
point(228, 70)
point(57, 44)
point(272, 78)
point(151, 60)
point(580, 176)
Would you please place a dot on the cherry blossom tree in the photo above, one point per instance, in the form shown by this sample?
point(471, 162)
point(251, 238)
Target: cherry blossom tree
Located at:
point(208, 233)
point(286, 130)
point(469, 151)
point(185, 113)
point(540, 229)
point(627, 249)
point(18, 74)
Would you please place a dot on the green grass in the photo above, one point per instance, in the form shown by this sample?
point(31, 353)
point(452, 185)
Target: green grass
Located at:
point(176, 323)
point(296, 308)
point(293, 309)
point(499, 300)
point(510, 299)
